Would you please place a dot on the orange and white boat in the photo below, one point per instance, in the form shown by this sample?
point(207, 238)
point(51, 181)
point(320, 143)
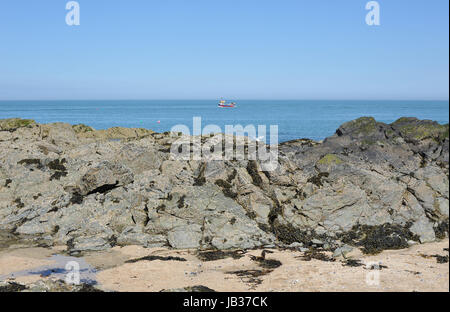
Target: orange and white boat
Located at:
point(224, 104)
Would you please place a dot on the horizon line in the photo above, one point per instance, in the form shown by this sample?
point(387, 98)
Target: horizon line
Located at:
point(243, 99)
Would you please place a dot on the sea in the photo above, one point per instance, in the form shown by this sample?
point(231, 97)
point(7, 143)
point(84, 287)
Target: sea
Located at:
point(295, 118)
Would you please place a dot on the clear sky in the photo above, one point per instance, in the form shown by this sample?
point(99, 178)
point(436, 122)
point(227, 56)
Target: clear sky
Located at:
point(242, 49)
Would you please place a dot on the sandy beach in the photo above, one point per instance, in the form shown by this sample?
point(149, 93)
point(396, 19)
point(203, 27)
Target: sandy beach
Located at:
point(134, 268)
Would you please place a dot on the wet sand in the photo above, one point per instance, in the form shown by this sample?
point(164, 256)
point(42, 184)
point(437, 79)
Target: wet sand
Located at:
point(407, 270)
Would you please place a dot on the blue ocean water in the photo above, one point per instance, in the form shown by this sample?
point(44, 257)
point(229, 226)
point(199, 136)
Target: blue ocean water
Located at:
point(295, 119)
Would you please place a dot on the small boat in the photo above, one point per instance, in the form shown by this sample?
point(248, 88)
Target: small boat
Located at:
point(224, 104)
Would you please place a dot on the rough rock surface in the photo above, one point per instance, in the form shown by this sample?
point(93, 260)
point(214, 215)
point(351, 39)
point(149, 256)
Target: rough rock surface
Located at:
point(46, 286)
point(374, 185)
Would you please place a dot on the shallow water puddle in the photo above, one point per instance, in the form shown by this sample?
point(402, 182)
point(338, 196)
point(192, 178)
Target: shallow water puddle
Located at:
point(63, 267)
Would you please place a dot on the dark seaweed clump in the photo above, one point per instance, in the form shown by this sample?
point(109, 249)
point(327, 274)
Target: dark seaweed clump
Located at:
point(317, 255)
point(376, 267)
point(358, 263)
point(55, 165)
point(213, 255)
point(226, 188)
point(194, 289)
point(200, 179)
point(352, 263)
point(439, 258)
point(375, 239)
point(77, 198)
point(31, 162)
point(288, 234)
point(59, 168)
point(317, 179)
point(180, 202)
point(266, 263)
point(153, 258)
point(251, 277)
point(12, 287)
point(252, 169)
point(199, 288)
point(19, 203)
point(442, 229)
point(8, 182)
point(112, 240)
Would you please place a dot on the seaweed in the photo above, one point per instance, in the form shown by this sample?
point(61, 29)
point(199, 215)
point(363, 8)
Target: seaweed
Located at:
point(252, 169)
point(266, 263)
point(226, 188)
point(161, 207)
point(166, 150)
point(57, 165)
point(70, 244)
point(19, 203)
point(200, 180)
point(112, 240)
point(275, 211)
point(181, 201)
point(252, 277)
point(193, 289)
point(376, 267)
point(12, 287)
point(231, 177)
point(251, 215)
point(375, 239)
point(76, 198)
point(59, 168)
point(153, 258)
point(413, 272)
point(8, 182)
point(31, 162)
point(269, 263)
point(213, 255)
point(199, 288)
point(441, 231)
point(288, 234)
point(439, 258)
point(317, 179)
point(58, 175)
point(262, 226)
point(352, 263)
point(314, 254)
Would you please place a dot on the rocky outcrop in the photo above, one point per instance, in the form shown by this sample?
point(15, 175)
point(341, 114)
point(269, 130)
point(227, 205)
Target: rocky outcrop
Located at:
point(373, 185)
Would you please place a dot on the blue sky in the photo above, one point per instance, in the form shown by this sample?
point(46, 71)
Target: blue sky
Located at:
point(242, 49)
